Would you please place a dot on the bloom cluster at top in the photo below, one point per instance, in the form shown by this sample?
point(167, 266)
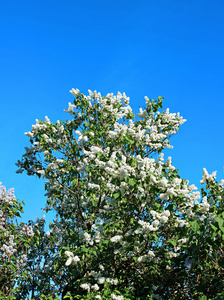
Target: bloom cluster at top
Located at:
point(6, 197)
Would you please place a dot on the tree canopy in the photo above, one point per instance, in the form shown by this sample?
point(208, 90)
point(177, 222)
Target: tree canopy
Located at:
point(127, 226)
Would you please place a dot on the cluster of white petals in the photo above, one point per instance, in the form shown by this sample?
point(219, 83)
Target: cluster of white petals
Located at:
point(208, 178)
point(6, 197)
point(71, 258)
point(119, 297)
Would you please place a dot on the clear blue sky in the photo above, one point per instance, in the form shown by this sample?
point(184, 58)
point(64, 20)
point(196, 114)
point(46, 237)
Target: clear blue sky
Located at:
point(173, 49)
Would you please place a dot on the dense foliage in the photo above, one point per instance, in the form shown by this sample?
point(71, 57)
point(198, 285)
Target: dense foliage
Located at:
point(127, 226)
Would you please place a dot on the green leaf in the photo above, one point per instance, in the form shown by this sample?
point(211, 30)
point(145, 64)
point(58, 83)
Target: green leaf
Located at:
point(131, 182)
point(213, 235)
point(172, 242)
point(155, 236)
point(214, 227)
point(219, 220)
point(116, 195)
point(195, 225)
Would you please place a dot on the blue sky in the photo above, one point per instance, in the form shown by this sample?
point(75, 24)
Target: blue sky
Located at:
point(156, 48)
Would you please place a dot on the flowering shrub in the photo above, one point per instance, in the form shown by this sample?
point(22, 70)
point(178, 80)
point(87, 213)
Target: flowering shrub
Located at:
point(127, 225)
point(14, 244)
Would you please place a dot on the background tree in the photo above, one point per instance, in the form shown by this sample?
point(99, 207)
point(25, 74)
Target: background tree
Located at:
point(14, 244)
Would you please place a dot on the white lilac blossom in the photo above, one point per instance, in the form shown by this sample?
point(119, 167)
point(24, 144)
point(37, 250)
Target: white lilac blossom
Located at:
point(204, 205)
point(101, 280)
point(71, 258)
point(95, 287)
point(85, 286)
point(119, 297)
point(116, 238)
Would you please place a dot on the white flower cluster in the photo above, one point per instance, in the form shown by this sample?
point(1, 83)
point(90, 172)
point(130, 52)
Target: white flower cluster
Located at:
point(204, 205)
point(71, 258)
point(86, 237)
point(100, 280)
point(6, 197)
point(9, 248)
point(146, 257)
point(116, 238)
point(74, 91)
point(208, 178)
point(38, 127)
point(162, 217)
point(119, 297)
point(27, 229)
point(171, 254)
point(88, 287)
point(147, 227)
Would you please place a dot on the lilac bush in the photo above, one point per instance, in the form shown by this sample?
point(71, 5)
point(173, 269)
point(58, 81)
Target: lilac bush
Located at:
point(14, 243)
point(127, 226)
